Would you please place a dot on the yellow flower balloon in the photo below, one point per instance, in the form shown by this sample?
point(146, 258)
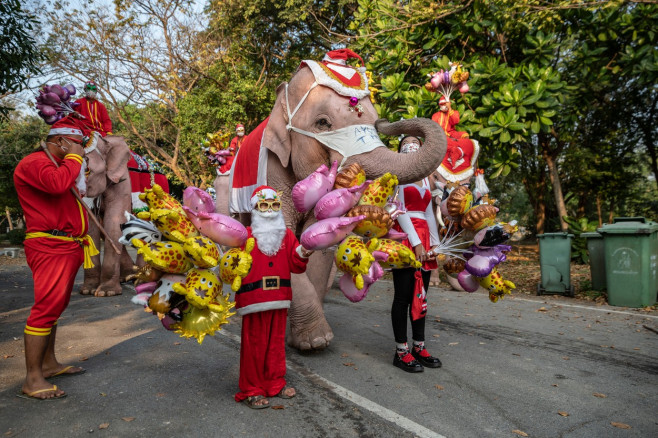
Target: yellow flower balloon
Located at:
point(399, 256)
point(166, 256)
point(379, 190)
point(352, 257)
point(235, 265)
point(200, 288)
point(198, 323)
point(202, 251)
point(496, 285)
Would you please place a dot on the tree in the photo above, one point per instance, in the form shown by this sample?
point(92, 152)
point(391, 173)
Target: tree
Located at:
point(19, 50)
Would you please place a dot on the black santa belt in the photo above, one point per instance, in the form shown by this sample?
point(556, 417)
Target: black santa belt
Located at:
point(266, 283)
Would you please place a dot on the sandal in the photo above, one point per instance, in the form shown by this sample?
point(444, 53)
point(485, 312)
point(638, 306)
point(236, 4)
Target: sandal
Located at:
point(252, 400)
point(282, 393)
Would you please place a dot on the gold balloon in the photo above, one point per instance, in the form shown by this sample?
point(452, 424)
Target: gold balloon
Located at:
point(459, 201)
point(352, 175)
point(198, 323)
point(479, 217)
point(377, 221)
point(159, 302)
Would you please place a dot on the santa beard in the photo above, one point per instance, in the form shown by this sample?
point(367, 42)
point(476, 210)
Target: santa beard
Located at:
point(269, 229)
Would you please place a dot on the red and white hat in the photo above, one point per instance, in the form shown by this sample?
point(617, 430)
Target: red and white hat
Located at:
point(333, 72)
point(65, 126)
point(263, 193)
point(443, 100)
point(239, 125)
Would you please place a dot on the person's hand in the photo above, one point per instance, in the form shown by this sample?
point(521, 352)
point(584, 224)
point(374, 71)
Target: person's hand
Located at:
point(420, 253)
point(306, 253)
point(77, 149)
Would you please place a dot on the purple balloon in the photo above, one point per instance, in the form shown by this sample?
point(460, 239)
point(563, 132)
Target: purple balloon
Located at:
point(307, 192)
point(50, 120)
point(51, 99)
point(338, 202)
point(482, 260)
point(328, 232)
point(468, 282)
point(48, 110)
point(71, 89)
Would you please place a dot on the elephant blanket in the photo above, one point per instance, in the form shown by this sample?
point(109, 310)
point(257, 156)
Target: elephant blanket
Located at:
point(460, 159)
point(249, 170)
point(140, 179)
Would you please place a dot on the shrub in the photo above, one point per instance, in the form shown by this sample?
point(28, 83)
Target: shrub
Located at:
point(16, 236)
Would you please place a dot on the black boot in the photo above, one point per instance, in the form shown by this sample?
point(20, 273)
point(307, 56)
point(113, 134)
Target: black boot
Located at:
point(422, 355)
point(407, 363)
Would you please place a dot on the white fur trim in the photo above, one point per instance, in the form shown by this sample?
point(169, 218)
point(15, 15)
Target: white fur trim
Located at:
point(468, 172)
point(323, 76)
point(266, 194)
point(240, 199)
point(261, 307)
point(64, 131)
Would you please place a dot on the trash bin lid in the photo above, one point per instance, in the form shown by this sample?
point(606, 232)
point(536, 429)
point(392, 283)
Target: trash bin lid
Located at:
point(565, 235)
point(629, 225)
point(590, 235)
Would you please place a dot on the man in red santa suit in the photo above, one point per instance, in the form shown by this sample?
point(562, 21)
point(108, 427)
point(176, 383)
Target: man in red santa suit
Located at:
point(263, 301)
point(233, 148)
point(448, 118)
point(95, 114)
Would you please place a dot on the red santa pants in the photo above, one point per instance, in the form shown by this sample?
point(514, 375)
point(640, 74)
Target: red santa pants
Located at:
point(263, 354)
point(54, 264)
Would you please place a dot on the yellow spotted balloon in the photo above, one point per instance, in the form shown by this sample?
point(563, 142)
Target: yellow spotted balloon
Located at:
point(166, 256)
point(379, 190)
point(399, 256)
point(352, 257)
point(200, 288)
point(496, 285)
point(235, 265)
point(202, 251)
point(173, 224)
point(157, 199)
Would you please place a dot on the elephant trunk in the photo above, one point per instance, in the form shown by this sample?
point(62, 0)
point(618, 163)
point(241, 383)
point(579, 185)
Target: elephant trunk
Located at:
point(408, 168)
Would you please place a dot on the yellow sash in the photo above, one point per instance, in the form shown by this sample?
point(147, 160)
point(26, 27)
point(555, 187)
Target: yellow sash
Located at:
point(86, 242)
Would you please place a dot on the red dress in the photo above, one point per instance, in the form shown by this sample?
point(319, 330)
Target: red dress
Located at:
point(448, 121)
point(418, 222)
point(234, 147)
point(263, 301)
point(96, 116)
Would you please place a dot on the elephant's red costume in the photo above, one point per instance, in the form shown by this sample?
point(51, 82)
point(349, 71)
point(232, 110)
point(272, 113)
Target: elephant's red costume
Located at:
point(140, 179)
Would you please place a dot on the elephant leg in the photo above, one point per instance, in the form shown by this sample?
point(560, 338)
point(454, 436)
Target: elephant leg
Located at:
point(309, 330)
point(126, 265)
point(92, 276)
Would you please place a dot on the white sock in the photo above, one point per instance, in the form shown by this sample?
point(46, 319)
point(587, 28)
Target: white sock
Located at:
point(419, 344)
point(402, 348)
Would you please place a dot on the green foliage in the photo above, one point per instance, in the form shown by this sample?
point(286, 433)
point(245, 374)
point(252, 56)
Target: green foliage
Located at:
point(16, 236)
point(577, 226)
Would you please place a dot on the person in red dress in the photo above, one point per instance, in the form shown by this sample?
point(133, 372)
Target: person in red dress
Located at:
point(95, 114)
point(233, 148)
point(422, 235)
point(56, 234)
point(263, 301)
point(448, 118)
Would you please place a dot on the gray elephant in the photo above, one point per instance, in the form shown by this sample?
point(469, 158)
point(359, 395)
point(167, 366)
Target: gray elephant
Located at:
point(108, 184)
point(333, 120)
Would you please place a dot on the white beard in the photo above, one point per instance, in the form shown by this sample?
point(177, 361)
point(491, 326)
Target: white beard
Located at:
point(269, 229)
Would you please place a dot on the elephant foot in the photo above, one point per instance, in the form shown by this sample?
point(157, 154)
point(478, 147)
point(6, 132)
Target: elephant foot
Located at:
point(88, 289)
point(107, 291)
point(309, 330)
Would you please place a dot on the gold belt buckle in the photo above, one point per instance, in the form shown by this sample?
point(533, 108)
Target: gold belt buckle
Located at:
point(271, 283)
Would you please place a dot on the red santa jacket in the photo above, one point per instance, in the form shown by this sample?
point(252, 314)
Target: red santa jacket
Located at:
point(96, 116)
point(45, 196)
point(448, 121)
point(267, 286)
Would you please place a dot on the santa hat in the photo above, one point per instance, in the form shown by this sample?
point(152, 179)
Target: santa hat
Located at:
point(263, 193)
point(333, 72)
point(443, 100)
point(66, 126)
point(239, 125)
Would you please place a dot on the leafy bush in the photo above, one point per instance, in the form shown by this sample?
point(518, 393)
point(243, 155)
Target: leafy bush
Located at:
point(579, 253)
point(16, 236)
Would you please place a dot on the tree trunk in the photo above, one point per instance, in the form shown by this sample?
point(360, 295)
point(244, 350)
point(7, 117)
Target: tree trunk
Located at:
point(11, 226)
point(598, 209)
point(535, 190)
point(611, 212)
point(557, 189)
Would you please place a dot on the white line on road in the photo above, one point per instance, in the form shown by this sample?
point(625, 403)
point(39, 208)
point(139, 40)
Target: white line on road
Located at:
point(381, 411)
point(598, 309)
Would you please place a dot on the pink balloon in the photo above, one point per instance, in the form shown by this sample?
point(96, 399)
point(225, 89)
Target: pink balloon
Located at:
point(394, 234)
point(484, 260)
point(436, 80)
point(198, 200)
point(218, 227)
point(328, 232)
point(307, 192)
point(464, 88)
point(338, 202)
point(467, 281)
point(375, 272)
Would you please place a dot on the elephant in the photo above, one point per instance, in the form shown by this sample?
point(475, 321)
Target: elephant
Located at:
point(291, 155)
point(108, 185)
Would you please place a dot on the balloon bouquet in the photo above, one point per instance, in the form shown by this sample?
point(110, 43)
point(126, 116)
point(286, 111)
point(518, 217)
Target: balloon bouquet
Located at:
point(215, 148)
point(179, 243)
point(447, 81)
point(355, 215)
point(473, 215)
point(54, 102)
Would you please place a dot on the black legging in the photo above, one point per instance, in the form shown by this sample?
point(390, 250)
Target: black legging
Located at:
point(403, 283)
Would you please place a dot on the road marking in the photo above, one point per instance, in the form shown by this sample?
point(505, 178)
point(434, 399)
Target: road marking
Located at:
point(591, 308)
point(377, 409)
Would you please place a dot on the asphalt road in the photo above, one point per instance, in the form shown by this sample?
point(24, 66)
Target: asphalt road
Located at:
point(525, 366)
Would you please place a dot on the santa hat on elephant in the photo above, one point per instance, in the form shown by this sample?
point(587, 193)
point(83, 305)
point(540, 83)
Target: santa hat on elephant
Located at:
point(335, 73)
point(263, 193)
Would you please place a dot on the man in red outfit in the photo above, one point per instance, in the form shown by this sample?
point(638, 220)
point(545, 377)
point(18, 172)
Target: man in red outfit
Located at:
point(56, 234)
point(233, 148)
point(448, 118)
point(263, 302)
point(94, 112)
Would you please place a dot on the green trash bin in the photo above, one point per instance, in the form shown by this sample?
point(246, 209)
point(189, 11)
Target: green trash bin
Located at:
point(596, 250)
point(555, 264)
point(631, 261)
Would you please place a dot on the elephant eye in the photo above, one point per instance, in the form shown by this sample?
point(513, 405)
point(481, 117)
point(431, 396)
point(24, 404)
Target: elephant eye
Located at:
point(323, 124)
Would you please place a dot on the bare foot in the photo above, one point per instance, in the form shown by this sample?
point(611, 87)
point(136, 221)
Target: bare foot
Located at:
point(43, 391)
point(61, 370)
point(287, 392)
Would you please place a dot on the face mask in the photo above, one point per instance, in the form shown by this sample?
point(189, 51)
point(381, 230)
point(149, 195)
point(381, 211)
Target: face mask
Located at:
point(348, 141)
point(240, 132)
point(90, 94)
point(443, 108)
point(411, 146)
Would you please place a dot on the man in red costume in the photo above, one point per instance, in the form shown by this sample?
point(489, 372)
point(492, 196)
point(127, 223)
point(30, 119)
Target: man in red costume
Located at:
point(94, 112)
point(233, 148)
point(263, 302)
point(448, 118)
point(56, 234)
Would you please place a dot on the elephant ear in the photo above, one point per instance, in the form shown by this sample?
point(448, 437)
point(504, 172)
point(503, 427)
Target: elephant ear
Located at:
point(118, 156)
point(275, 136)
